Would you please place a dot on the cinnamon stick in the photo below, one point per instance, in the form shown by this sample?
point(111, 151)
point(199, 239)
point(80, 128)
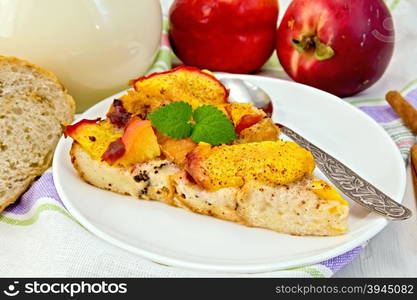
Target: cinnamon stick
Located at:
point(403, 108)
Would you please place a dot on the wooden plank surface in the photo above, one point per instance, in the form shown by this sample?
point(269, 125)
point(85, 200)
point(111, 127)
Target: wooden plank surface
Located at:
point(393, 252)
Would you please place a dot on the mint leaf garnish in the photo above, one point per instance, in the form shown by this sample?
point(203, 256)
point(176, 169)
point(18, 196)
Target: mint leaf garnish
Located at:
point(173, 119)
point(212, 126)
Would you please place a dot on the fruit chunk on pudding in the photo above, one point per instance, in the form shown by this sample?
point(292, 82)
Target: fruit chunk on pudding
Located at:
point(272, 163)
point(103, 141)
point(94, 136)
point(186, 84)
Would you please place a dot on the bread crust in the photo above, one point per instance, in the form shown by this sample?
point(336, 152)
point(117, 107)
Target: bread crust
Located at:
point(68, 97)
point(20, 188)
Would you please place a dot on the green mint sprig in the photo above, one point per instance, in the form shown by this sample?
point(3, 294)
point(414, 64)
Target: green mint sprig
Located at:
point(173, 119)
point(206, 124)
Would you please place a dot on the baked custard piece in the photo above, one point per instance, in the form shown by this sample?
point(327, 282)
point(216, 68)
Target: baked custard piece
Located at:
point(257, 180)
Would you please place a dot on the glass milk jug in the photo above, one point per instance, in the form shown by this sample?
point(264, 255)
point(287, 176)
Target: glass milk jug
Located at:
point(94, 46)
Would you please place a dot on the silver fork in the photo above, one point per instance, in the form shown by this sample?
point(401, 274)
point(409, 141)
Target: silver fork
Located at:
point(344, 178)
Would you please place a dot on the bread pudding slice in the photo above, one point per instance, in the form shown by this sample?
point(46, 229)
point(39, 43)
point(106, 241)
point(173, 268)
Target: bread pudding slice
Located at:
point(299, 208)
point(307, 206)
point(252, 178)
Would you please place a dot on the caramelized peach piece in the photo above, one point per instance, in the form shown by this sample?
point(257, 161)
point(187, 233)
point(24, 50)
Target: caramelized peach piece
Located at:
point(247, 121)
point(237, 111)
point(194, 165)
point(176, 150)
point(94, 136)
point(140, 142)
point(272, 163)
point(265, 130)
point(186, 84)
point(74, 129)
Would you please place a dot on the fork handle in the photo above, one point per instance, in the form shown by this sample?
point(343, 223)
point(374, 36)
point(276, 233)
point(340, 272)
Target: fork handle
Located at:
point(350, 183)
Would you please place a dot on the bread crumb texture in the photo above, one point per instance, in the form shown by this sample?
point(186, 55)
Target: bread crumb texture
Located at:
point(34, 106)
point(293, 209)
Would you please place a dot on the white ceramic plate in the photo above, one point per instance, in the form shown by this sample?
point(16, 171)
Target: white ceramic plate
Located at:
point(176, 237)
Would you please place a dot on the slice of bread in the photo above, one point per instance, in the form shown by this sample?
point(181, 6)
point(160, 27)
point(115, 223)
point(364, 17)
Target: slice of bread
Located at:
point(34, 107)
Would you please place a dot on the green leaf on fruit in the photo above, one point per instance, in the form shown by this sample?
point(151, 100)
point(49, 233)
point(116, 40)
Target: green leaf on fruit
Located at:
point(173, 119)
point(211, 125)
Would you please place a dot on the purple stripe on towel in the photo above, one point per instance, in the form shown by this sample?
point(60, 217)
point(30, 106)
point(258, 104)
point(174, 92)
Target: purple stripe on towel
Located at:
point(412, 97)
point(384, 113)
point(43, 187)
point(338, 262)
point(381, 114)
